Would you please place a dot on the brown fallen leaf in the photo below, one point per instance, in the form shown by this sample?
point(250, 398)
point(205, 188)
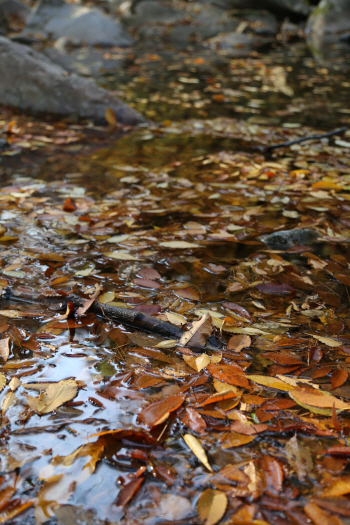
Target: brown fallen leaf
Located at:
point(233, 439)
point(197, 450)
point(247, 429)
point(318, 399)
point(271, 382)
point(5, 348)
point(338, 487)
point(157, 412)
point(319, 516)
point(273, 474)
point(193, 420)
point(111, 119)
point(231, 374)
point(129, 490)
point(197, 335)
point(338, 378)
point(326, 340)
point(54, 396)
point(237, 342)
point(211, 506)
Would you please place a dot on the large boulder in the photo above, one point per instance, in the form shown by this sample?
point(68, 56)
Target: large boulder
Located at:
point(31, 82)
point(328, 24)
point(55, 19)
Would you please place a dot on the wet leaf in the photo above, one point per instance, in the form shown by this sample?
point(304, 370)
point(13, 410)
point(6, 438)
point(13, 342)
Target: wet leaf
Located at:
point(129, 490)
point(326, 340)
point(318, 399)
point(271, 382)
point(234, 439)
point(156, 413)
point(197, 335)
point(111, 118)
point(276, 289)
point(197, 363)
point(2, 381)
point(194, 420)
point(237, 342)
point(231, 374)
point(197, 450)
point(273, 473)
point(211, 506)
point(187, 293)
point(176, 319)
point(54, 396)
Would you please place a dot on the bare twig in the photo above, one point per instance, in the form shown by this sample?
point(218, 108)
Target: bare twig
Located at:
point(304, 139)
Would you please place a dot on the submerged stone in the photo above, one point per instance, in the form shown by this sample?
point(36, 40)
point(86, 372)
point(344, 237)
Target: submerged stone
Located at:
point(287, 238)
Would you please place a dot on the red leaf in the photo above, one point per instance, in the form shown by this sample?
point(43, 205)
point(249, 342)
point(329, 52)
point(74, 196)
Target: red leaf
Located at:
point(152, 309)
point(193, 420)
point(69, 205)
point(248, 429)
point(282, 359)
point(336, 451)
point(187, 293)
point(237, 309)
point(149, 273)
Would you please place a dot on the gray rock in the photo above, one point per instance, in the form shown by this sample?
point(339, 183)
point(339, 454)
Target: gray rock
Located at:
point(56, 19)
point(33, 83)
point(329, 23)
point(236, 44)
point(15, 10)
point(155, 20)
point(287, 238)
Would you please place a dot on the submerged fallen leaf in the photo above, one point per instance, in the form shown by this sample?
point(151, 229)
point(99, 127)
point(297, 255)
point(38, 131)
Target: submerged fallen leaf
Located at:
point(234, 439)
point(197, 335)
point(197, 450)
point(54, 396)
point(211, 506)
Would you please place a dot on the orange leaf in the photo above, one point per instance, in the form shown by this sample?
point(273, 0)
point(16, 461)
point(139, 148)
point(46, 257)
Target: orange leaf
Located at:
point(338, 378)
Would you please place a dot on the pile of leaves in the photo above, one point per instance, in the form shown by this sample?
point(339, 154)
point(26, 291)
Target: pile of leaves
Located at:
point(102, 422)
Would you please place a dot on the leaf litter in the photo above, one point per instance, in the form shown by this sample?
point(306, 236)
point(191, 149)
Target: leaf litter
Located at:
point(242, 419)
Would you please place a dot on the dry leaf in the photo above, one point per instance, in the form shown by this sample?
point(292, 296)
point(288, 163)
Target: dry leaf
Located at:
point(197, 363)
point(2, 381)
point(55, 395)
point(197, 335)
point(12, 314)
point(175, 319)
point(8, 400)
point(211, 506)
point(5, 348)
point(197, 450)
point(14, 383)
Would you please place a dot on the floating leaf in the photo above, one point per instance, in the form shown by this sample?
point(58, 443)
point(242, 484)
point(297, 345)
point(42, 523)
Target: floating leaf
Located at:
point(54, 396)
point(197, 450)
point(211, 506)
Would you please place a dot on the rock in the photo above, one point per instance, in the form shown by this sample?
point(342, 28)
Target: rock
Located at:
point(33, 83)
point(329, 23)
point(236, 44)
point(14, 10)
point(282, 240)
point(154, 20)
point(56, 19)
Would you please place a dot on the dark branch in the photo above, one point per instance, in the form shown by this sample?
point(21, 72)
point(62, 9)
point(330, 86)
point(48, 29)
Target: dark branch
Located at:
point(304, 139)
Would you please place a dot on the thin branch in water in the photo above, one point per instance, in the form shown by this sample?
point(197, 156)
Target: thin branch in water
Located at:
point(304, 139)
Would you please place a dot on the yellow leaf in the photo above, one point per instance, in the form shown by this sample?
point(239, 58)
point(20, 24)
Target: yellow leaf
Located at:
point(325, 185)
point(224, 387)
point(179, 244)
point(211, 506)
point(318, 399)
point(110, 117)
point(120, 256)
point(5, 348)
point(271, 382)
point(54, 396)
point(339, 487)
point(12, 314)
point(326, 340)
point(106, 297)
point(197, 450)
point(168, 344)
point(175, 319)
point(8, 400)
point(2, 381)
point(197, 363)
